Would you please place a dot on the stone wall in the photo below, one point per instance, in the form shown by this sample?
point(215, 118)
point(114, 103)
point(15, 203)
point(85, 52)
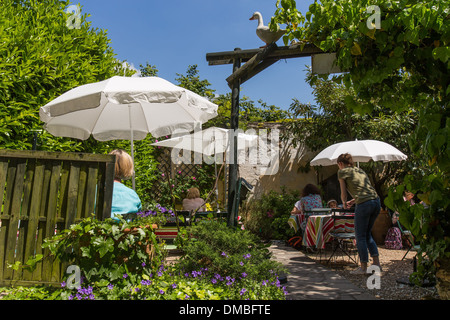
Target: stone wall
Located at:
point(291, 171)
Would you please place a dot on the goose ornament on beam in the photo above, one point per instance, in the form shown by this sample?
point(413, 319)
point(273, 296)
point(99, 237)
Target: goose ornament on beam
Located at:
point(264, 32)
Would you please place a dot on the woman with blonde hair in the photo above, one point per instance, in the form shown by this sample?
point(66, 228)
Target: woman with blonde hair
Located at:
point(193, 201)
point(125, 200)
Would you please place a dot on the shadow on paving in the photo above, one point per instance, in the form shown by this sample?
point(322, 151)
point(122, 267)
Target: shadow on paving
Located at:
point(309, 280)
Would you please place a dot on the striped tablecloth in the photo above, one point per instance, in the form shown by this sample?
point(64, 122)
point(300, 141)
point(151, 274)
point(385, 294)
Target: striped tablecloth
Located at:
point(165, 232)
point(294, 222)
point(318, 229)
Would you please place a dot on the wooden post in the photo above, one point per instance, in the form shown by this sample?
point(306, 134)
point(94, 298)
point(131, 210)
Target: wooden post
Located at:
point(233, 166)
point(250, 65)
point(256, 60)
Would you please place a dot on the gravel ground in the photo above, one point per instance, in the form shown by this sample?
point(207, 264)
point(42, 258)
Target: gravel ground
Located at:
point(394, 268)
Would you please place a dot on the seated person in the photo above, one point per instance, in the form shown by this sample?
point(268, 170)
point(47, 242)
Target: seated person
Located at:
point(125, 200)
point(412, 199)
point(332, 204)
point(193, 201)
point(310, 199)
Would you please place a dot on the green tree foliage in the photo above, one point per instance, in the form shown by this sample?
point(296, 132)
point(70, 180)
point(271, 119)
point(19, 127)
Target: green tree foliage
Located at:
point(330, 121)
point(191, 81)
point(400, 64)
point(248, 112)
point(148, 70)
point(41, 57)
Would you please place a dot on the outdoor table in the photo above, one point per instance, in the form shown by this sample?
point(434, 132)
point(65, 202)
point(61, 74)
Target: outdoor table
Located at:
point(318, 228)
point(298, 221)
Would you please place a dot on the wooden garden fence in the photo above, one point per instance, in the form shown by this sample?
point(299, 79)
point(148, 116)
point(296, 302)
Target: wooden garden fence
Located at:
point(41, 193)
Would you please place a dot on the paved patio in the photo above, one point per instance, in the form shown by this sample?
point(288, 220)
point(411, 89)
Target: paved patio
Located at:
point(309, 280)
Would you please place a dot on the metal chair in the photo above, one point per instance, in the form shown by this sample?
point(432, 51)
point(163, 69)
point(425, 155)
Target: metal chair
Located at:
point(409, 239)
point(341, 238)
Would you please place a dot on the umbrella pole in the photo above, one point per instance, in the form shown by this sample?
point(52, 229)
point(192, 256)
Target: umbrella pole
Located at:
point(217, 177)
point(132, 157)
point(132, 145)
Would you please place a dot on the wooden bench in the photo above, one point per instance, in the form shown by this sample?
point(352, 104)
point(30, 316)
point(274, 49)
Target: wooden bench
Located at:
point(41, 193)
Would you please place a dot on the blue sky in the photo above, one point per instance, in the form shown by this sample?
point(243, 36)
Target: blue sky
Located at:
point(175, 34)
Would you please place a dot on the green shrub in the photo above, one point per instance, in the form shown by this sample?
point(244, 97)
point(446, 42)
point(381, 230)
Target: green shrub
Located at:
point(165, 283)
point(244, 271)
point(267, 217)
point(105, 250)
point(228, 251)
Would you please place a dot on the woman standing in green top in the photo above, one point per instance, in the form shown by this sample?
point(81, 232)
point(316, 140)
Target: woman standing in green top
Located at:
point(357, 183)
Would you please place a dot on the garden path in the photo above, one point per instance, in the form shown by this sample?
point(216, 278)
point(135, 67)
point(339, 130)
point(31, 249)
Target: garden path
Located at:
point(309, 280)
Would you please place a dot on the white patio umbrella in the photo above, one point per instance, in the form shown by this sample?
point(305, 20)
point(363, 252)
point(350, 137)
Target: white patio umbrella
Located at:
point(361, 151)
point(210, 141)
point(125, 108)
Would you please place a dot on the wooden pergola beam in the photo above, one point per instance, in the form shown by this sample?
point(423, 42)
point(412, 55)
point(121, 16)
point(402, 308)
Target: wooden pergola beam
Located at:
point(251, 64)
point(285, 52)
point(256, 60)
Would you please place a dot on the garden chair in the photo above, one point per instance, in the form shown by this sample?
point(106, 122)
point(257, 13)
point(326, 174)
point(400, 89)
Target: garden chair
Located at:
point(341, 237)
point(409, 240)
point(169, 231)
point(407, 236)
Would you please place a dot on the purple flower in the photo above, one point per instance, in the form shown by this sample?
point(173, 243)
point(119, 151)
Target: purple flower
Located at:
point(213, 281)
point(143, 264)
point(161, 291)
point(230, 281)
point(278, 283)
point(247, 256)
point(146, 282)
point(174, 286)
point(243, 291)
point(85, 293)
point(125, 276)
point(223, 254)
point(110, 286)
point(244, 274)
point(63, 284)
